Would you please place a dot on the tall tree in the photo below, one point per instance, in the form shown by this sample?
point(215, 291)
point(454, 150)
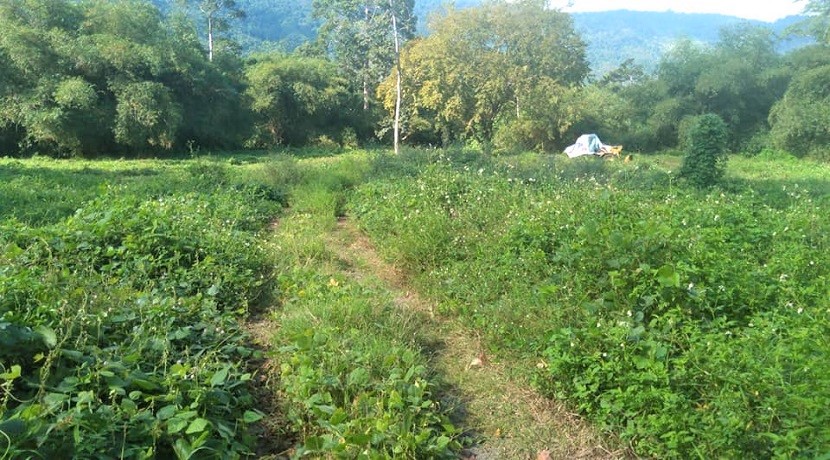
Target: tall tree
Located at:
point(359, 35)
point(296, 99)
point(218, 16)
point(95, 77)
point(738, 79)
point(398, 77)
point(483, 66)
point(817, 23)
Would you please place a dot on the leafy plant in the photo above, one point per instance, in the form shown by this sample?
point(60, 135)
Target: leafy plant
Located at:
point(120, 325)
point(706, 145)
point(687, 323)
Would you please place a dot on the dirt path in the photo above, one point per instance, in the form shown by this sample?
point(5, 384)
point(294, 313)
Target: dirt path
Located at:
point(511, 420)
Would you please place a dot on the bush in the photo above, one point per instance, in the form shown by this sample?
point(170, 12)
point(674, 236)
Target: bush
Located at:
point(705, 147)
point(801, 118)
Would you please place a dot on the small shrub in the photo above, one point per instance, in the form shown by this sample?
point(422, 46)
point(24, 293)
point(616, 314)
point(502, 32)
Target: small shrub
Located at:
point(706, 140)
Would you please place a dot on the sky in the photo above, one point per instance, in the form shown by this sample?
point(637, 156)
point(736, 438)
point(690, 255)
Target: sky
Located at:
point(764, 10)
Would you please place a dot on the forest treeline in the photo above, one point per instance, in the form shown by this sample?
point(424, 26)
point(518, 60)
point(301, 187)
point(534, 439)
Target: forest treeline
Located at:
point(92, 78)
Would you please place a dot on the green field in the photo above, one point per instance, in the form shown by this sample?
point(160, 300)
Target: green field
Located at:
point(680, 323)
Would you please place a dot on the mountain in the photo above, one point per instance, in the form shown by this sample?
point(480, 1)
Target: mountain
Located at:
point(615, 36)
point(612, 36)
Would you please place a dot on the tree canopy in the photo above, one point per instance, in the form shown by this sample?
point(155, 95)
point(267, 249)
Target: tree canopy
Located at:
point(93, 77)
point(481, 65)
point(137, 77)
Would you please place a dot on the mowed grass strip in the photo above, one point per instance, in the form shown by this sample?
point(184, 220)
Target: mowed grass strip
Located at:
point(353, 379)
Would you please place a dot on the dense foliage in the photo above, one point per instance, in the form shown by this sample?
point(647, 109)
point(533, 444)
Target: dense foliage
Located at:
point(692, 323)
point(120, 324)
point(484, 69)
point(296, 100)
point(706, 147)
point(96, 78)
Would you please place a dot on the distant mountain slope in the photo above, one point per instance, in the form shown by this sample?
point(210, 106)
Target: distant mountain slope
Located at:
point(612, 36)
point(615, 36)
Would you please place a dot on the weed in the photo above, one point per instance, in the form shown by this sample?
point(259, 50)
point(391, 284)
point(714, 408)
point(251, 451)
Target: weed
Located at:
point(684, 320)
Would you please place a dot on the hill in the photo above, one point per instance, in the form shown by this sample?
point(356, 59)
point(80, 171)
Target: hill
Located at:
point(615, 36)
point(612, 36)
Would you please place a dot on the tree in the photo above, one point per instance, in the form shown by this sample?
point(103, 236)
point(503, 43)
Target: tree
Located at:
point(360, 36)
point(801, 119)
point(817, 24)
point(627, 74)
point(481, 67)
point(398, 77)
point(95, 77)
point(297, 98)
point(738, 79)
point(218, 15)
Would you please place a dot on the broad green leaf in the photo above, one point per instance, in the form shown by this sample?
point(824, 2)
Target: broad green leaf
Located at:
point(197, 426)
point(252, 416)
point(358, 377)
point(176, 424)
point(54, 400)
point(219, 377)
point(166, 412)
point(12, 374)
point(667, 276)
point(182, 449)
point(48, 336)
point(12, 428)
point(338, 417)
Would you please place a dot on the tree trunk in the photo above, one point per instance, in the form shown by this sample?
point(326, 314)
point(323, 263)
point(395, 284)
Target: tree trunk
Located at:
point(518, 113)
point(397, 128)
point(210, 38)
point(366, 65)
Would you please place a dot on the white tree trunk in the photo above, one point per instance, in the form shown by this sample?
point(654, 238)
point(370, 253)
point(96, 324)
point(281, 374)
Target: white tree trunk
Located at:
point(397, 126)
point(210, 38)
point(367, 64)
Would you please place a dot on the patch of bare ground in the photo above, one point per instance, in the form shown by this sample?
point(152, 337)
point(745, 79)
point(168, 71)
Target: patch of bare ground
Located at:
point(273, 440)
point(506, 417)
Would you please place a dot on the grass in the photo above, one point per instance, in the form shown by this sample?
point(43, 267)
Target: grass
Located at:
point(687, 323)
point(354, 378)
point(624, 285)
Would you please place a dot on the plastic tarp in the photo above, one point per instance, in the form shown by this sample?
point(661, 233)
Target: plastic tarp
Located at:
point(587, 144)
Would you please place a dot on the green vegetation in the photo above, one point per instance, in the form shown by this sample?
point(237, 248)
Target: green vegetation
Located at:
point(515, 91)
point(120, 320)
point(703, 164)
point(680, 303)
point(688, 322)
point(353, 372)
point(692, 323)
point(122, 296)
point(94, 79)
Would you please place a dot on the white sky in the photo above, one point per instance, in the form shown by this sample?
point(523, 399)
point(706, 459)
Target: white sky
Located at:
point(765, 10)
